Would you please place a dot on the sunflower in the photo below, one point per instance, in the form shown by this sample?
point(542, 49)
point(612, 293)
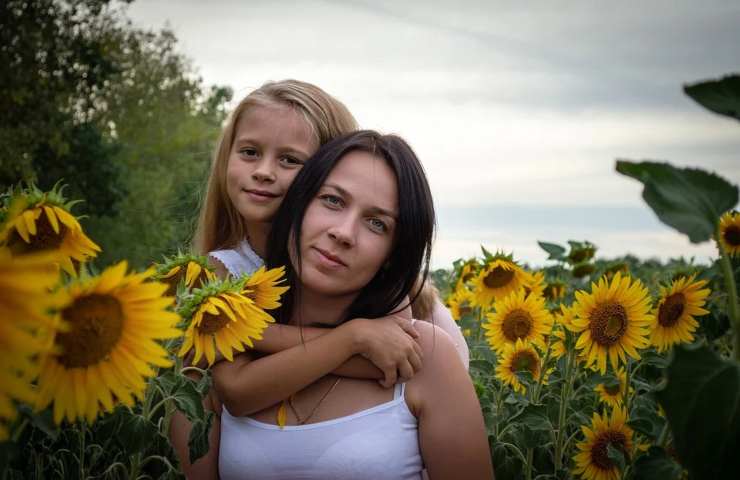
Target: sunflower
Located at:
point(563, 319)
point(519, 358)
point(592, 460)
point(612, 320)
point(498, 278)
point(673, 319)
point(613, 395)
point(467, 273)
point(460, 303)
point(554, 290)
point(194, 268)
point(262, 287)
point(25, 283)
point(37, 221)
point(518, 317)
point(536, 283)
point(222, 318)
point(103, 355)
point(729, 232)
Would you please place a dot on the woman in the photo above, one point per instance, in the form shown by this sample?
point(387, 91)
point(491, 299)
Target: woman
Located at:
point(354, 231)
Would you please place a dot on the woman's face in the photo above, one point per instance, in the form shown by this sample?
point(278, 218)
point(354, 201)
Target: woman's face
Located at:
point(348, 228)
point(271, 144)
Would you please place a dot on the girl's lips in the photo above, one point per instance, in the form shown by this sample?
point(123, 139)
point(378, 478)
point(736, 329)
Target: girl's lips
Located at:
point(261, 196)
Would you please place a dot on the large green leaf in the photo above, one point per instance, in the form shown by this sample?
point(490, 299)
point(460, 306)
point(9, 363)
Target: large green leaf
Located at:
point(555, 251)
point(656, 464)
point(535, 424)
point(701, 399)
point(720, 96)
point(687, 199)
point(136, 433)
point(198, 442)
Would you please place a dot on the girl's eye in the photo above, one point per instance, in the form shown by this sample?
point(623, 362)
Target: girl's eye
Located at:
point(291, 161)
point(248, 152)
point(378, 225)
point(331, 201)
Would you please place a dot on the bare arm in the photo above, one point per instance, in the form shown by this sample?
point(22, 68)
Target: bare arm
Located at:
point(205, 467)
point(249, 385)
point(277, 337)
point(452, 434)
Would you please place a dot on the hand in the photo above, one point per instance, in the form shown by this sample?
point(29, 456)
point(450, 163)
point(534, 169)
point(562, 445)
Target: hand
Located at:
point(187, 360)
point(389, 343)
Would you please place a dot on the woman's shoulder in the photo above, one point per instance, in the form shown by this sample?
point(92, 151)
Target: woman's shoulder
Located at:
point(441, 363)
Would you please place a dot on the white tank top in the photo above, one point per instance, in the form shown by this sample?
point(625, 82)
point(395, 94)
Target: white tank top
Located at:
point(380, 442)
point(240, 260)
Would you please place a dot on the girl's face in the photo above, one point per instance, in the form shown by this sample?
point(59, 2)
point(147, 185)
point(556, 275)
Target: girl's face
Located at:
point(271, 144)
point(348, 228)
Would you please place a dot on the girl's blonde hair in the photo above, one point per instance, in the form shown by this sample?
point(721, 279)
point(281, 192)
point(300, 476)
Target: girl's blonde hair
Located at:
point(219, 223)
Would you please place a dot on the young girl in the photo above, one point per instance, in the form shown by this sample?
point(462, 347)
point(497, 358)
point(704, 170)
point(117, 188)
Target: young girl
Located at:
point(354, 232)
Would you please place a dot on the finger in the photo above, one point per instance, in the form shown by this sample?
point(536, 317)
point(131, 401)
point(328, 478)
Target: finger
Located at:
point(415, 362)
point(408, 327)
point(405, 370)
point(391, 376)
point(419, 351)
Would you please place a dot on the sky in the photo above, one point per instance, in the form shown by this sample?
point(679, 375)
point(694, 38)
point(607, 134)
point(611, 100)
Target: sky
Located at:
point(518, 110)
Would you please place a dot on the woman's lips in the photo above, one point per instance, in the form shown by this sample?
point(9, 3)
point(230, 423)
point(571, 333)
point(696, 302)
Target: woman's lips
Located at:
point(328, 259)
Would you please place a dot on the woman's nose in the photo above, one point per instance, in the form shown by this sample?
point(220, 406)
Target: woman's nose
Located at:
point(344, 231)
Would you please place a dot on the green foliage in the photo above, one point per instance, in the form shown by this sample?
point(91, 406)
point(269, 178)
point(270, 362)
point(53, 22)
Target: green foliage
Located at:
point(687, 199)
point(701, 399)
point(720, 96)
point(657, 464)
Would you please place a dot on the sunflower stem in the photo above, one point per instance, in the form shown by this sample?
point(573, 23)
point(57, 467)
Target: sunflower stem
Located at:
point(543, 367)
point(626, 394)
point(82, 431)
point(731, 295)
point(663, 437)
point(564, 398)
point(528, 467)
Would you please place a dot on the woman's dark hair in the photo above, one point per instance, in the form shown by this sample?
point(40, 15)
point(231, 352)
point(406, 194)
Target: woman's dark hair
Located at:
point(413, 235)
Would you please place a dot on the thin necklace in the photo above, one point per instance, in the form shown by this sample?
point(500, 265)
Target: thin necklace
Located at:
point(304, 420)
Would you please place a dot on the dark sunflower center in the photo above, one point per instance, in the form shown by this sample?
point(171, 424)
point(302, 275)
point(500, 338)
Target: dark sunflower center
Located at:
point(599, 455)
point(613, 389)
point(732, 236)
point(173, 282)
point(465, 309)
point(96, 323)
point(517, 324)
point(608, 323)
point(212, 323)
point(45, 239)
point(671, 310)
point(525, 361)
point(498, 277)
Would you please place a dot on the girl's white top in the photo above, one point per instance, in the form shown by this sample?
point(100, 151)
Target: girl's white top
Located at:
point(377, 443)
point(240, 260)
point(243, 260)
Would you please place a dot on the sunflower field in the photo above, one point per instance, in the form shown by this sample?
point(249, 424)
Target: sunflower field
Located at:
point(604, 370)
point(585, 368)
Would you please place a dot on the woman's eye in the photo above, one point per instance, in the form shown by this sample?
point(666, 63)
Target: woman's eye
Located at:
point(331, 200)
point(378, 225)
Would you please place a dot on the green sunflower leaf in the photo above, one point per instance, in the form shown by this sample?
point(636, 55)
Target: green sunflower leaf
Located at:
point(555, 251)
point(720, 96)
point(687, 199)
point(136, 433)
point(656, 463)
point(535, 424)
point(701, 399)
point(616, 456)
point(198, 442)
